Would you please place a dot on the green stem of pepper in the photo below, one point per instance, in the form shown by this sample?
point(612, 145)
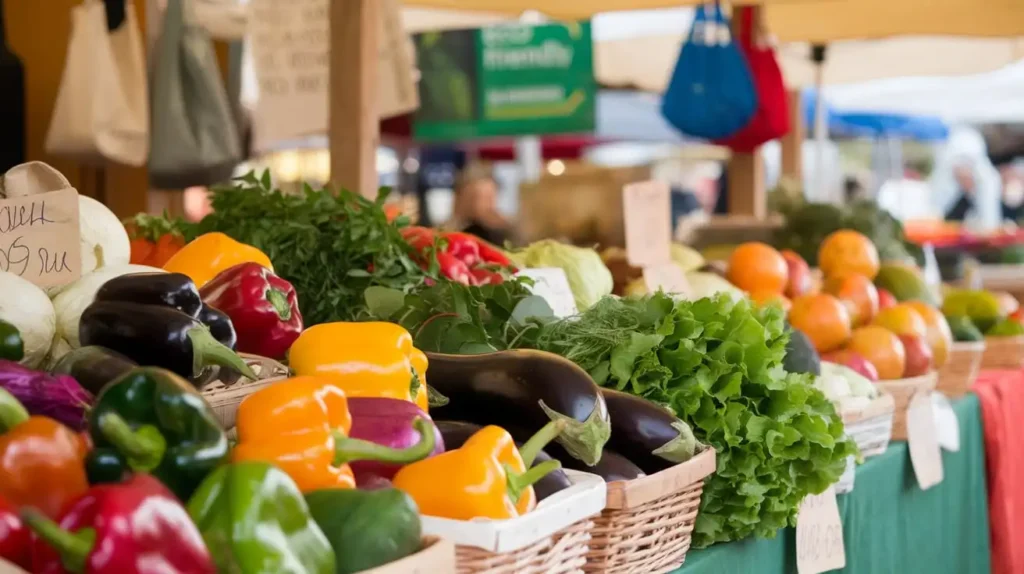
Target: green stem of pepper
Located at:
point(518, 483)
point(12, 413)
point(207, 351)
point(347, 449)
point(143, 448)
point(279, 301)
point(537, 442)
point(73, 547)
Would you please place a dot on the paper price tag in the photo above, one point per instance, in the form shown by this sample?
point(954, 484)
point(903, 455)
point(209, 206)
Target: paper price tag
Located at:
point(552, 284)
point(647, 213)
point(39, 237)
point(946, 424)
point(667, 277)
point(922, 441)
point(819, 534)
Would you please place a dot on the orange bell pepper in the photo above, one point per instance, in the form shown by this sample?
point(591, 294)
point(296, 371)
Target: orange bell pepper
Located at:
point(42, 462)
point(209, 254)
point(301, 426)
point(486, 478)
point(365, 359)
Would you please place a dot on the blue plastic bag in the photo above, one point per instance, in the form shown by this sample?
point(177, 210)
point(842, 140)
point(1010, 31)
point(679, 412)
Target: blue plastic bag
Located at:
point(711, 94)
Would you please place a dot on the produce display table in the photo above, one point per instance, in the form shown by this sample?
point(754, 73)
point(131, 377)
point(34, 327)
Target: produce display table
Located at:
point(1002, 404)
point(889, 524)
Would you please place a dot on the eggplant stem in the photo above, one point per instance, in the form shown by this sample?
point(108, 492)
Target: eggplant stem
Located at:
point(12, 412)
point(208, 351)
point(679, 449)
point(585, 440)
point(537, 442)
point(74, 548)
point(143, 448)
point(519, 482)
point(348, 449)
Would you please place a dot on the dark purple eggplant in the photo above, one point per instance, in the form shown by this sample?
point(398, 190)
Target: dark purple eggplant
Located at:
point(456, 433)
point(93, 367)
point(612, 466)
point(523, 389)
point(387, 422)
point(59, 397)
point(649, 434)
point(220, 325)
point(173, 290)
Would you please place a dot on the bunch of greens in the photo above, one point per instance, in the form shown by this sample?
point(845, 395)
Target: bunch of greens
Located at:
point(716, 363)
point(330, 245)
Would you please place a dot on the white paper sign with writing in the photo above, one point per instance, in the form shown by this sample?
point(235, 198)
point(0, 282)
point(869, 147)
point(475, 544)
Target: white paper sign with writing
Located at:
point(819, 534)
point(667, 277)
point(947, 425)
point(923, 442)
point(552, 284)
point(646, 210)
point(39, 237)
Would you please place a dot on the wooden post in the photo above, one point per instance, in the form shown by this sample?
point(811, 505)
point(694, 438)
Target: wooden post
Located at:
point(792, 143)
point(353, 128)
point(746, 176)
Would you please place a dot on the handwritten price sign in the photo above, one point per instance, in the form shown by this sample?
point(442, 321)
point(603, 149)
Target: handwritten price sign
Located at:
point(39, 237)
point(819, 534)
point(552, 284)
point(646, 208)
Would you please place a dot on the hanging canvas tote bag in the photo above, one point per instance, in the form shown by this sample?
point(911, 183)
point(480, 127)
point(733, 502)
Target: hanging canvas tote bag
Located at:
point(711, 94)
point(102, 108)
point(771, 120)
point(195, 139)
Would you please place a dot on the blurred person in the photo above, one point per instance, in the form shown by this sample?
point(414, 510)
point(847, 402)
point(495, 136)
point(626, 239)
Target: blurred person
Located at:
point(853, 189)
point(964, 180)
point(1012, 202)
point(965, 185)
point(476, 211)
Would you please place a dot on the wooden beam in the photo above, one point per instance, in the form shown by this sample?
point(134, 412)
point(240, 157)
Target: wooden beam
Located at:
point(792, 143)
point(353, 128)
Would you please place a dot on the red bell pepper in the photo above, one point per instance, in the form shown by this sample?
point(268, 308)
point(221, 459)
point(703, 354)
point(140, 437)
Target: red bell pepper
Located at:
point(135, 527)
point(484, 276)
point(487, 252)
point(263, 308)
point(454, 269)
point(464, 247)
point(15, 541)
point(420, 238)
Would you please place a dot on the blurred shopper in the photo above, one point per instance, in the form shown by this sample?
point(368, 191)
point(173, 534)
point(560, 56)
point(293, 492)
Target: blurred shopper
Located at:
point(1013, 193)
point(964, 203)
point(476, 207)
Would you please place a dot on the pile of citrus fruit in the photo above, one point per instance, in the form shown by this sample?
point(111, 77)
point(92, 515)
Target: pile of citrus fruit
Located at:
point(845, 315)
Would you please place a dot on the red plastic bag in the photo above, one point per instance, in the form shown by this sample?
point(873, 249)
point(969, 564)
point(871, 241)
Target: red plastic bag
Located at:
point(771, 120)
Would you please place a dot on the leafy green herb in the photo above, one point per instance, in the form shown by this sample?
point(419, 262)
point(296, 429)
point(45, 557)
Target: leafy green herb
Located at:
point(330, 246)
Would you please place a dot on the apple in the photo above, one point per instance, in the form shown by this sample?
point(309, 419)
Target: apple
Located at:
point(799, 274)
point(886, 299)
point(919, 356)
point(853, 360)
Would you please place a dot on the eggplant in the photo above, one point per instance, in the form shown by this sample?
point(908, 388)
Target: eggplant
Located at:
point(612, 466)
point(174, 290)
point(387, 422)
point(59, 397)
point(523, 389)
point(93, 367)
point(649, 434)
point(456, 433)
point(155, 336)
point(220, 325)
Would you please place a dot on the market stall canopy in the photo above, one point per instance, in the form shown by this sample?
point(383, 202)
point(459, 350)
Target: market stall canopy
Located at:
point(576, 9)
point(854, 123)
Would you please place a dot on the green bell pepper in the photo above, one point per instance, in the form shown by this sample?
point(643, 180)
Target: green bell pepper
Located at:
point(255, 521)
point(12, 348)
point(151, 420)
point(367, 528)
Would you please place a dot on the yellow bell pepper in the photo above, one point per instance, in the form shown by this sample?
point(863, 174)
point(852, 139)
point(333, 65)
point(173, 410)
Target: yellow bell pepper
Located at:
point(206, 256)
point(363, 359)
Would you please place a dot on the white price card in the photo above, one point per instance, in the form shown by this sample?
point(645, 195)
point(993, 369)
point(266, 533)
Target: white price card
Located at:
point(923, 441)
point(39, 237)
point(819, 534)
point(946, 424)
point(646, 208)
point(667, 277)
point(552, 284)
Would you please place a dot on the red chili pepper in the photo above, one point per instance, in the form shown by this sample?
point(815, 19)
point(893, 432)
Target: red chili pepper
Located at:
point(454, 269)
point(464, 247)
point(420, 238)
point(135, 527)
point(484, 276)
point(15, 542)
point(263, 308)
point(488, 253)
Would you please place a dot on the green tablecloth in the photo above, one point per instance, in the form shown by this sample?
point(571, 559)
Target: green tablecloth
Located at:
point(889, 525)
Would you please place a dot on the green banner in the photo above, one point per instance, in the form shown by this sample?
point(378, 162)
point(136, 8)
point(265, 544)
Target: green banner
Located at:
point(505, 81)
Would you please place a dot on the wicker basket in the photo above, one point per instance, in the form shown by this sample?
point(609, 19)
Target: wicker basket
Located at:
point(552, 539)
point(225, 395)
point(902, 390)
point(646, 526)
point(962, 367)
point(871, 427)
point(1003, 353)
point(436, 557)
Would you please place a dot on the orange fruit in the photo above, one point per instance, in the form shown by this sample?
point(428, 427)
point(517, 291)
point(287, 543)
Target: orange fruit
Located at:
point(882, 348)
point(847, 252)
point(903, 319)
point(858, 293)
point(768, 297)
point(939, 336)
point(758, 267)
point(823, 318)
